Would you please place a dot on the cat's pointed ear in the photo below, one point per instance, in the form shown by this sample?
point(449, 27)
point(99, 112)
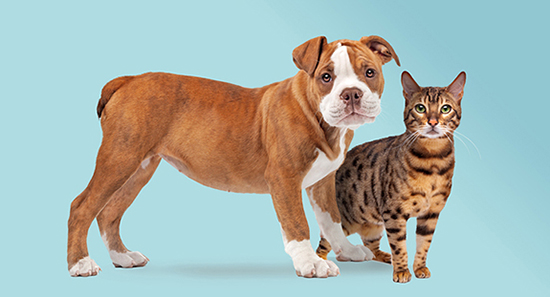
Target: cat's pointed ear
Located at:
point(306, 56)
point(409, 85)
point(456, 88)
point(381, 48)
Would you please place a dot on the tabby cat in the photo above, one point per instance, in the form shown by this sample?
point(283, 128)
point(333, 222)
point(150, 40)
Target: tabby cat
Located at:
point(383, 183)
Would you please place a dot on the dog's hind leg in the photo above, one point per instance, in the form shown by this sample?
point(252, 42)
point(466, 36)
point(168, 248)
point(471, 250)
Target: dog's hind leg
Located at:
point(109, 218)
point(117, 161)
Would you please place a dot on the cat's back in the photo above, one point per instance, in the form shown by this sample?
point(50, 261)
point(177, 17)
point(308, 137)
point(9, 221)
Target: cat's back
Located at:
point(370, 154)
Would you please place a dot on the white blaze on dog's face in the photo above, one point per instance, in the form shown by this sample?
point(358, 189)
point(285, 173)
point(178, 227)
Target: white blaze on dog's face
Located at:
point(351, 102)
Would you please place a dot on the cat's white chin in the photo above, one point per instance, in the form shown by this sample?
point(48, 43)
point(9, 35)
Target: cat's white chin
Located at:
point(432, 134)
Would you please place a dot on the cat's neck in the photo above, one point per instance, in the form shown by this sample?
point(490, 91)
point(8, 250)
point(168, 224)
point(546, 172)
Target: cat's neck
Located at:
point(425, 146)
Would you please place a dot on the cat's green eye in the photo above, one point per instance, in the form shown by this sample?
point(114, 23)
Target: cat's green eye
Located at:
point(420, 108)
point(446, 109)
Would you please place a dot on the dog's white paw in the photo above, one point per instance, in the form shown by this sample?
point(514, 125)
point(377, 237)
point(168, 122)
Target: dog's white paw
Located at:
point(84, 267)
point(128, 259)
point(333, 270)
point(355, 253)
point(316, 268)
point(307, 263)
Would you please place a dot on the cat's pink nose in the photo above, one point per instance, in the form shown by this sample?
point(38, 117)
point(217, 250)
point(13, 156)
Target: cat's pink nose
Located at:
point(433, 122)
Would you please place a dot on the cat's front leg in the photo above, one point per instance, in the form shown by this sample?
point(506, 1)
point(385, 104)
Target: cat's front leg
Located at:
point(425, 228)
point(396, 230)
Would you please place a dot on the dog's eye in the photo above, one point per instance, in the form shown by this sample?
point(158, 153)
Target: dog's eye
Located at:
point(370, 73)
point(326, 77)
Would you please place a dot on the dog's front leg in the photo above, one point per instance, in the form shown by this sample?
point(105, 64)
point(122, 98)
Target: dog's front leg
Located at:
point(322, 196)
point(287, 199)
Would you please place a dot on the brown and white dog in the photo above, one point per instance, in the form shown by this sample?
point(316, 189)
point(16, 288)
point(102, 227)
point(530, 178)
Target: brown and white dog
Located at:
point(278, 139)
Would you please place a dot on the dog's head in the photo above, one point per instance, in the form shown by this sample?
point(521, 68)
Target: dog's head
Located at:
point(345, 77)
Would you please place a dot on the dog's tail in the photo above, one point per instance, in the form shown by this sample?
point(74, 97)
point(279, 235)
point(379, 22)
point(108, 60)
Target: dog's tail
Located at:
point(109, 89)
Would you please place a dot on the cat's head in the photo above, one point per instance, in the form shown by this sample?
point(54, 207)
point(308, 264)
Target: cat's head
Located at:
point(432, 112)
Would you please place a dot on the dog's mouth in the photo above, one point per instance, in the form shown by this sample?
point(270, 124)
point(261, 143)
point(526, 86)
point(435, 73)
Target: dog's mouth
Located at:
point(351, 115)
point(355, 119)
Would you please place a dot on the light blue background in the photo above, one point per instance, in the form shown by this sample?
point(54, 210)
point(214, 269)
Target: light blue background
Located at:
point(56, 56)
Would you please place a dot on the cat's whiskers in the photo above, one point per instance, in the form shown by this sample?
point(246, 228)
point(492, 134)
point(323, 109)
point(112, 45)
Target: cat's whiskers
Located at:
point(409, 138)
point(462, 135)
point(403, 143)
point(468, 149)
point(412, 139)
point(446, 133)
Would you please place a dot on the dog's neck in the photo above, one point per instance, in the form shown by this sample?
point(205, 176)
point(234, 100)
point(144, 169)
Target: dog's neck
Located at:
point(327, 137)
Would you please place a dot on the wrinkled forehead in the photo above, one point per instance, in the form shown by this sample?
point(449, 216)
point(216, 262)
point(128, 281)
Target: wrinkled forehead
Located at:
point(359, 53)
point(351, 50)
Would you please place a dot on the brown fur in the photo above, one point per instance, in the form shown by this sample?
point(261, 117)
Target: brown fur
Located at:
point(109, 89)
point(383, 183)
point(221, 135)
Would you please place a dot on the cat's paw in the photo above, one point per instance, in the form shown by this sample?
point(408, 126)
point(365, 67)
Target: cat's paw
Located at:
point(422, 272)
point(403, 276)
point(381, 256)
point(355, 253)
point(84, 267)
point(128, 259)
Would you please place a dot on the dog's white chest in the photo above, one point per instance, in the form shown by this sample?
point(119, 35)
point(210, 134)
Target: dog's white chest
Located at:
point(323, 165)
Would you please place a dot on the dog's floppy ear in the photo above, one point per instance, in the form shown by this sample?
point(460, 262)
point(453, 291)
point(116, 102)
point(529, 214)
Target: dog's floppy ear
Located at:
point(307, 55)
point(456, 88)
point(409, 86)
point(381, 48)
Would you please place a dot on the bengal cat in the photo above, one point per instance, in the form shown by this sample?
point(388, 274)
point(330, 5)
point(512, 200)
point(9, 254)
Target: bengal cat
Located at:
point(383, 183)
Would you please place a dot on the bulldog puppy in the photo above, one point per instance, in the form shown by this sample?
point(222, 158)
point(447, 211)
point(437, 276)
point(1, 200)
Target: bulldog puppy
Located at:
point(278, 139)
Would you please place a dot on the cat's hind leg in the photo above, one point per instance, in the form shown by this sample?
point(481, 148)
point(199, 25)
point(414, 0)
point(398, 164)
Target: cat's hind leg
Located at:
point(371, 234)
point(324, 248)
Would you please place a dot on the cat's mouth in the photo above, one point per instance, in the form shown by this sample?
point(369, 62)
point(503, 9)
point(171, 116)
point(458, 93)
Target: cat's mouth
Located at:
point(432, 132)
